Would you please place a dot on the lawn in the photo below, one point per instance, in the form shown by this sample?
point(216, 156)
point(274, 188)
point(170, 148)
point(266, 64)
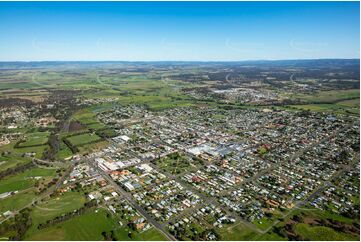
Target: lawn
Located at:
point(25, 179)
point(19, 151)
point(58, 205)
point(264, 222)
point(175, 163)
point(351, 103)
point(139, 89)
point(17, 201)
point(96, 126)
point(269, 236)
point(311, 232)
point(330, 96)
point(88, 118)
point(10, 161)
point(89, 226)
point(38, 150)
point(236, 231)
point(83, 139)
point(93, 146)
point(64, 151)
point(35, 139)
point(340, 101)
point(329, 215)
point(85, 116)
point(322, 233)
point(53, 207)
point(338, 107)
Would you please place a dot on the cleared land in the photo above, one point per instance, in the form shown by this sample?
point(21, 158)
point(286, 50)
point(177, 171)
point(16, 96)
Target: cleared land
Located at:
point(90, 226)
point(35, 139)
point(83, 139)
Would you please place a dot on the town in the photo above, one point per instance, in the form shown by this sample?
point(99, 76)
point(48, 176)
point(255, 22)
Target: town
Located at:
point(171, 164)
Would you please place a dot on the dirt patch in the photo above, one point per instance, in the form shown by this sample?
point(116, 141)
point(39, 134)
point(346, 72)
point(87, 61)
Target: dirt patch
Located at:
point(75, 126)
point(310, 221)
point(10, 102)
point(35, 99)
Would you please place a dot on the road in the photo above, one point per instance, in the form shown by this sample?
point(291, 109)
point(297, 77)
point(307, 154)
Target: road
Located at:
point(206, 199)
point(130, 200)
point(315, 193)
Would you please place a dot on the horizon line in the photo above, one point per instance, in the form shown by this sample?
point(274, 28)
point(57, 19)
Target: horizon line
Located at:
point(292, 59)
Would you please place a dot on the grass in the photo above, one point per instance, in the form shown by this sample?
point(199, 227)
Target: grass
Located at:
point(93, 147)
point(174, 163)
point(330, 215)
point(82, 139)
point(237, 231)
point(85, 116)
point(96, 126)
point(330, 96)
point(89, 226)
point(38, 150)
point(24, 180)
point(10, 161)
point(139, 89)
point(151, 235)
point(19, 151)
point(64, 151)
point(270, 236)
point(17, 201)
point(53, 207)
point(337, 108)
point(34, 139)
point(351, 103)
point(339, 102)
point(264, 222)
point(322, 233)
point(58, 205)
point(85, 227)
point(309, 232)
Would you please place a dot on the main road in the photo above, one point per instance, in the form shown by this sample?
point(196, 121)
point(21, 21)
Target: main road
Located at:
point(130, 200)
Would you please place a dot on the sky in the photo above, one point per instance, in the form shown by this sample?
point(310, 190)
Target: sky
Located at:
point(185, 31)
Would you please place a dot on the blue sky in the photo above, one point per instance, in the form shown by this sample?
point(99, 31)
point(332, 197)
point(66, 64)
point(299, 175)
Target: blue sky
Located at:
point(178, 30)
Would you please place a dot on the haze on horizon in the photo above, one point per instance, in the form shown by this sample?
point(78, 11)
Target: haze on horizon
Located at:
point(185, 31)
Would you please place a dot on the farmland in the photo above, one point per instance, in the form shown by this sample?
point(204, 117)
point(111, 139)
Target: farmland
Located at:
point(35, 139)
point(82, 139)
point(89, 227)
point(190, 151)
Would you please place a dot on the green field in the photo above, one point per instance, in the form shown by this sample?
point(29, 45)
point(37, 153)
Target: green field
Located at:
point(19, 151)
point(64, 151)
point(53, 207)
point(265, 222)
point(237, 231)
point(322, 233)
point(176, 163)
point(338, 102)
point(17, 201)
point(89, 226)
point(35, 139)
point(25, 179)
point(91, 147)
point(38, 150)
point(343, 107)
point(24, 183)
point(83, 139)
point(85, 117)
point(241, 231)
point(330, 96)
point(140, 89)
point(58, 205)
point(10, 161)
